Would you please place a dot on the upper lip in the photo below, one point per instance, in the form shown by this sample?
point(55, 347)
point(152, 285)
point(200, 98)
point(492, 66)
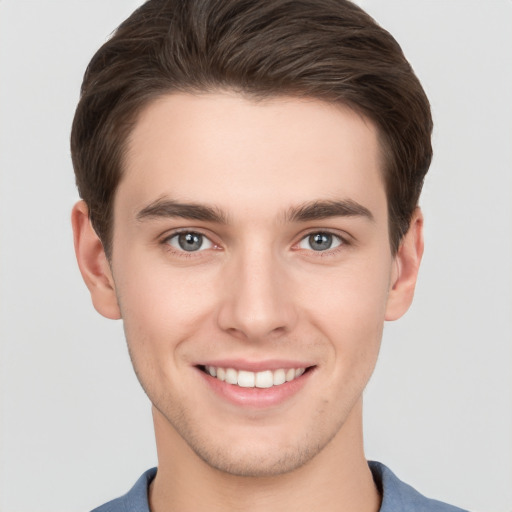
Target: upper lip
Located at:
point(256, 366)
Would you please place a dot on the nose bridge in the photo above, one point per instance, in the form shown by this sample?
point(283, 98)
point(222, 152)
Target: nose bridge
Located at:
point(257, 302)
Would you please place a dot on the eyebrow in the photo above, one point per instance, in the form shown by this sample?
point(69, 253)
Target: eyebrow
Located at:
point(170, 208)
point(314, 210)
point(317, 210)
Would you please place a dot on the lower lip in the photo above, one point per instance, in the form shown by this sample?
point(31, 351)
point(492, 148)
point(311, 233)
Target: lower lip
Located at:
point(258, 398)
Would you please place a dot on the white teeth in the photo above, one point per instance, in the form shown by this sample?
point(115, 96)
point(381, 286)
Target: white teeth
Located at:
point(231, 376)
point(279, 377)
point(245, 379)
point(263, 379)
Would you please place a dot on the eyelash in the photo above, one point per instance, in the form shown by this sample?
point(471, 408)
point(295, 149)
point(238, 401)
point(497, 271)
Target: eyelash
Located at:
point(343, 243)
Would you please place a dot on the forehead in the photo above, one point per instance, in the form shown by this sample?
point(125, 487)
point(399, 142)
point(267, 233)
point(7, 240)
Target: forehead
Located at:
point(236, 152)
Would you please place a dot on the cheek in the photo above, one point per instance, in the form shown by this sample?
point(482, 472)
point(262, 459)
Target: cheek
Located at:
point(161, 305)
point(349, 310)
point(161, 311)
point(354, 295)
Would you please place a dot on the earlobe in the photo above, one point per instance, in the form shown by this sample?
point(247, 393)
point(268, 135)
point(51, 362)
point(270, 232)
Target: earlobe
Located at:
point(93, 263)
point(406, 267)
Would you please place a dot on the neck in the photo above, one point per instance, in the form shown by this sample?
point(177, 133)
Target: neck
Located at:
point(336, 480)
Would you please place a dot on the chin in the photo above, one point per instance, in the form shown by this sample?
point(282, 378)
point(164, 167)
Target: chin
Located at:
point(256, 463)
point(257, 451)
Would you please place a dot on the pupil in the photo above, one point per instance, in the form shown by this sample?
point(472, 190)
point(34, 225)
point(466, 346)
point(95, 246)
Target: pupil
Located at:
point(190, 241)
point(320, 241)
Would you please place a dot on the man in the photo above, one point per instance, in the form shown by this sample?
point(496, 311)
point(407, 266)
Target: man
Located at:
point(250, 174)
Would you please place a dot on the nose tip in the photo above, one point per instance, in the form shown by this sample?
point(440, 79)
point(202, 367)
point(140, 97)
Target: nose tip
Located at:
point(257, 303)
point(255, 326)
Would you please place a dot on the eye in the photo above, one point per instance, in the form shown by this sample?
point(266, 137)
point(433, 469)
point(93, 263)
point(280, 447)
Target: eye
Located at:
point(189, 241)
point(320, 241)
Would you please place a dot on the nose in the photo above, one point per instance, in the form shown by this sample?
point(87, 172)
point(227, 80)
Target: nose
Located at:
point(257, 301)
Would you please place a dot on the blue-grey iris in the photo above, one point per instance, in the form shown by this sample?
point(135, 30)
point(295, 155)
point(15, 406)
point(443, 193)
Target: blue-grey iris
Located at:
point(190, 241)
point(320, 241)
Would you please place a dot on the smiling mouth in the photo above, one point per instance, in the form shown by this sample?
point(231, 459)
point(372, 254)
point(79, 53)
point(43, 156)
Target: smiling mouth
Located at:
point(247, 379)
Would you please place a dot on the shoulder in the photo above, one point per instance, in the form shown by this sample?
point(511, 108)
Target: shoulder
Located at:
point(397, 496)
point(135, 500)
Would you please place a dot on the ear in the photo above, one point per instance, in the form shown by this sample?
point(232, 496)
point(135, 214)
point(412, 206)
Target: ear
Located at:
point(93, 263)
point(406, 266)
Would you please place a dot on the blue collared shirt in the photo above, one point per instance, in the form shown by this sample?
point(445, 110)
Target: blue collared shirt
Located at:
point(397, 496)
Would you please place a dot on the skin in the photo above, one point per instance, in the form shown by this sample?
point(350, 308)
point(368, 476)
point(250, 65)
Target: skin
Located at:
point(256, 291)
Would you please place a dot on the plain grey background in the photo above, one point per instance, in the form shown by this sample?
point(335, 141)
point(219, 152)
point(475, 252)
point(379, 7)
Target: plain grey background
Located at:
point(75, 428)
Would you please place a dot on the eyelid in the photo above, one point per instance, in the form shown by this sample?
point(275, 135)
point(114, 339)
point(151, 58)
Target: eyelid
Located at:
point(179, 231)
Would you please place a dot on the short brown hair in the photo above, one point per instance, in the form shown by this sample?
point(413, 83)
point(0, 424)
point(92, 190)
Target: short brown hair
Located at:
point(325, 49)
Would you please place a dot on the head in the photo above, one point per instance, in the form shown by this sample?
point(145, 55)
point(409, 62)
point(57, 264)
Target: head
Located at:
point(330, 50)
point(252, 171)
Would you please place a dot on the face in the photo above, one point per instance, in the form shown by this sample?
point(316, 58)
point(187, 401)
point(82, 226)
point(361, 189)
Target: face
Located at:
point(252, 267)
